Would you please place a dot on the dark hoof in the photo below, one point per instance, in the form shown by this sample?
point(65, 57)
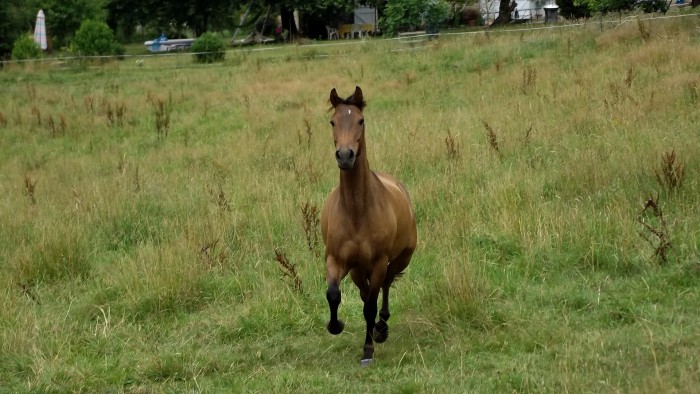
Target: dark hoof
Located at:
point(336, 328)
point(381, 331)
point(366, 362)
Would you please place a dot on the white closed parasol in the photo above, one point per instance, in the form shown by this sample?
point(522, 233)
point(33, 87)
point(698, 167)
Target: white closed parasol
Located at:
point(40, 30)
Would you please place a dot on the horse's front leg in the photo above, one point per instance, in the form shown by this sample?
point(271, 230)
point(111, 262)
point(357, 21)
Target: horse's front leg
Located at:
point(381, 327)
point(335, 326)
point(333, 276)
point(370, 310)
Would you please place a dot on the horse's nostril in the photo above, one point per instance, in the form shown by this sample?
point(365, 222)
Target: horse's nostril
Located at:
point(344, 154)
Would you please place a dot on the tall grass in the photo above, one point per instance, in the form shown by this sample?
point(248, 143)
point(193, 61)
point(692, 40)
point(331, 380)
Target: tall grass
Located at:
point(188, 258)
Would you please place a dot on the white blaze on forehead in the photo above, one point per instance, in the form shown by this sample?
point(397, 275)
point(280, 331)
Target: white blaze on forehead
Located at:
point(349, 111)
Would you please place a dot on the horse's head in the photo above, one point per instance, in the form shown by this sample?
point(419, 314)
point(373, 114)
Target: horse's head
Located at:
point(348, 127)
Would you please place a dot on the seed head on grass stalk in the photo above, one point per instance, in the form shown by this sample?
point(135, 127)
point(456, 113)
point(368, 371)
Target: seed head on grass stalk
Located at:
point(493, 139)
point(452, 146)
point(30, 188)
point(671, 173)
point(222, 202)
point(37, 114)
point(212, 255)
point(629, 77)
point(657, 235)
point(528, 134)
point(288, 270)
point(529, 80)
point(310, 223)
point(162, 110)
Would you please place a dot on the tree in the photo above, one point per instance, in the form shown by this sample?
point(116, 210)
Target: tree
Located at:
point(606, 6)
point(315, 10)
point(173, 17)
point(63, 17)
point(15, 19)
point(201, 14)
point(505, 9)
point(572, 9)
point(124, 15)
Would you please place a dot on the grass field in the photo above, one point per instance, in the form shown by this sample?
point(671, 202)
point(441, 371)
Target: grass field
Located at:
point(142, 209)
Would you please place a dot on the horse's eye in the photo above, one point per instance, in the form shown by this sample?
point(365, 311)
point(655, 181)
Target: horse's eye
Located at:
point(362, 122)
point(332, 123)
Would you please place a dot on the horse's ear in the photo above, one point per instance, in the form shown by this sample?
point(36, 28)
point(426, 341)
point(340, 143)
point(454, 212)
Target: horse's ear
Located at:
point(357, 98)
point(335, 100)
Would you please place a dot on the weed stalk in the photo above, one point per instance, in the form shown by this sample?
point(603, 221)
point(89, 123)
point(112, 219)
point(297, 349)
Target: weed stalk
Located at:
point(288, 270)
point(656, 235)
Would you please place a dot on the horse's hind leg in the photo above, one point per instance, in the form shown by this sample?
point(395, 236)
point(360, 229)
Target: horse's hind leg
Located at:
point(370, 309)
point(381, 328)
point(396, 267)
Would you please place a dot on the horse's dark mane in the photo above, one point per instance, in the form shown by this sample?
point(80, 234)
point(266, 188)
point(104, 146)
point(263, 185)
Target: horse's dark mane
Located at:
point(351, 101)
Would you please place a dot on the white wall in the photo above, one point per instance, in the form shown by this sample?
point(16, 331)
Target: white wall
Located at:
point(526, 9)
point(365, 15)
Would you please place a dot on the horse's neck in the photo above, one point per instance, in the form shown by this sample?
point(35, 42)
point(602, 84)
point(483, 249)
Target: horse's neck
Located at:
point(356, 186)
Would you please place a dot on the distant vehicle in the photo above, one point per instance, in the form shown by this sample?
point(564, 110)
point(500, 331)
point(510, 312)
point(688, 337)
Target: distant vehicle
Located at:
point(163, 44)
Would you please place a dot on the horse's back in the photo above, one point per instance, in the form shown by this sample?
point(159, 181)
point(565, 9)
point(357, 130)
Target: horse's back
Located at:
point(391, 182)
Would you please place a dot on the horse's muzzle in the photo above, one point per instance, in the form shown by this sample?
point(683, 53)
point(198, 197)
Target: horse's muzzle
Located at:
point(345, 158)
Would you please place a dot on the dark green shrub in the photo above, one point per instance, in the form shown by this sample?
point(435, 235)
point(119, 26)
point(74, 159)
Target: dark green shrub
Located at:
point(435, 15)
point(400, 15)
point(25, 48)
point(208, 48)
point(573, 9)
point(408, 15)
point(650, 6)
point(602, 6)
point(607, 6)
point(95, 38)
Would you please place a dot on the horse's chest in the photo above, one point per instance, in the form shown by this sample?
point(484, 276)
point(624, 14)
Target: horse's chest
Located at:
point(362, 247)
point(360, 238)
point(356, 250)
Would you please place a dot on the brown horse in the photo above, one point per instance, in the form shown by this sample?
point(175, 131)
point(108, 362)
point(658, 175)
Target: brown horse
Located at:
point(368, 225)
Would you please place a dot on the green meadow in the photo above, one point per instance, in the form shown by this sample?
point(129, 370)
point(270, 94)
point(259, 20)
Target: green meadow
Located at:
point(159, 219)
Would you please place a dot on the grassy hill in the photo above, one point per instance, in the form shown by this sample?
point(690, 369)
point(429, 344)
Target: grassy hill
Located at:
point(145, 209)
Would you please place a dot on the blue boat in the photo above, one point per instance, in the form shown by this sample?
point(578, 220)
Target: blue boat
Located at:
point(163, 44)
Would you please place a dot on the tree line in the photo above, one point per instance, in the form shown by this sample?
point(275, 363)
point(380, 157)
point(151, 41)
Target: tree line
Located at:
point(126, 17)
point(175, 18)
